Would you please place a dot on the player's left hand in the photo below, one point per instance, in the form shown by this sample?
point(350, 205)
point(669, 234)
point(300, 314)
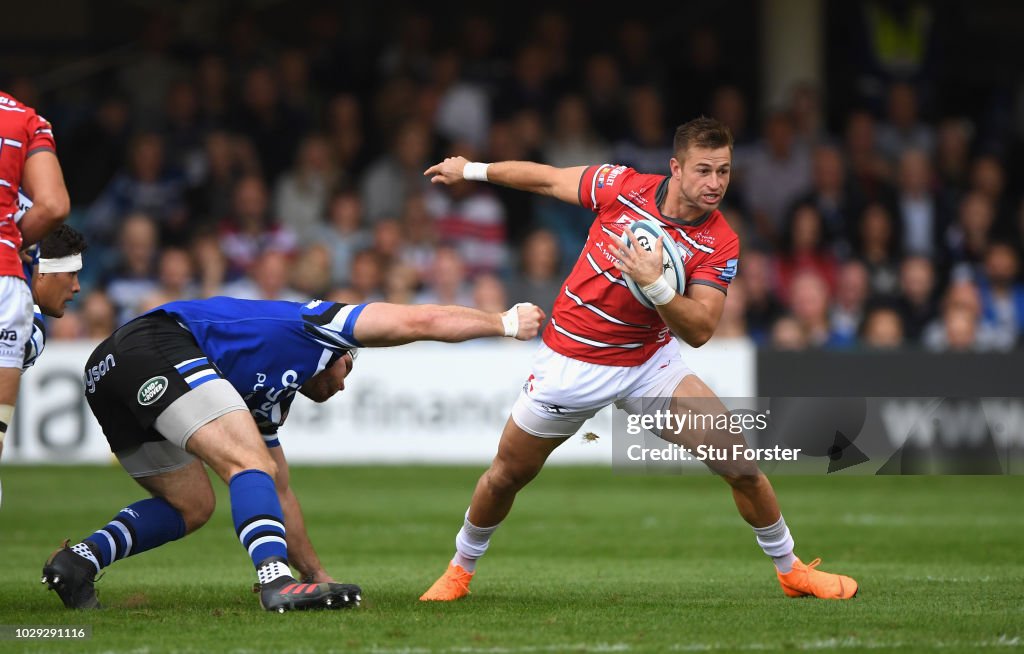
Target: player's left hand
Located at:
point(643, 266)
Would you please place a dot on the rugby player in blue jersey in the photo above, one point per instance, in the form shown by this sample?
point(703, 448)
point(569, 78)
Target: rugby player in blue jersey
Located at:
point(212, 381)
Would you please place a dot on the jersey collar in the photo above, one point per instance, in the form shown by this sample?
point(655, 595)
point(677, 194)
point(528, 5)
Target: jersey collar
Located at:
point(659, 197)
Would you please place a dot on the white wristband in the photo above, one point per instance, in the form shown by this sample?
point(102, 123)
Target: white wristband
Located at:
point(510, 320)
point(475, 171)
point(659, 292)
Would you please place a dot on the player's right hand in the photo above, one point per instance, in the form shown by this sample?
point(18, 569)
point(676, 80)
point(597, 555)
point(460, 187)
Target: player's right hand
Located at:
point(531, 317)
point(448, 171)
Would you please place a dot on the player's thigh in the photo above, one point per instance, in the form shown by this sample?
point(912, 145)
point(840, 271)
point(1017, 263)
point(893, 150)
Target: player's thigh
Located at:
point(521, 454)
point(702, 419)
point(230, 444)
point(187, 488)
point(15, 332)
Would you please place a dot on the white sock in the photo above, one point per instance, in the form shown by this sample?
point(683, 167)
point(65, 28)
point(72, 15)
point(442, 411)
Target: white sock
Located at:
point(777, 542)
point(470, 544)
point(85, 551)
point(268, 572)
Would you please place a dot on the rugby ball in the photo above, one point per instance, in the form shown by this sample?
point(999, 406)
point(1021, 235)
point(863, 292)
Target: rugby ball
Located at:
point(647, 233)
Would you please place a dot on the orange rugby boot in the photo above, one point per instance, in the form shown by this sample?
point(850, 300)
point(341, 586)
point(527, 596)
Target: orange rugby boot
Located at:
point(806, 580)
point(452, 585)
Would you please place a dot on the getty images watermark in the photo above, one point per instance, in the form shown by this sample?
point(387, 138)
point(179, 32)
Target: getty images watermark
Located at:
point(669, 423)
point(820, 435)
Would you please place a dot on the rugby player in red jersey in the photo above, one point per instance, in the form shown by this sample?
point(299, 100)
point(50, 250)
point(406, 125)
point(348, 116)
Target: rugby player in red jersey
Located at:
point(28, 161)
point(602, 346)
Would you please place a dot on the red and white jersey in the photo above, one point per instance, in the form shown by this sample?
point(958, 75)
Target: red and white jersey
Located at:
point(22, 134)
point(596, 318)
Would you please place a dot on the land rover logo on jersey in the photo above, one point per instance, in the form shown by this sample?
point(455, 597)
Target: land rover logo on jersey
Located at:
point(152, 390)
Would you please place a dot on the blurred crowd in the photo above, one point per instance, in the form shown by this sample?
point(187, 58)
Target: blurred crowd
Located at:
point(262, 169)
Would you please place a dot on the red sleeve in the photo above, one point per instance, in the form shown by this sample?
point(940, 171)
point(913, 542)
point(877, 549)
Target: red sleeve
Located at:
point(719, 268)
point(600, 185)
point(40, 135)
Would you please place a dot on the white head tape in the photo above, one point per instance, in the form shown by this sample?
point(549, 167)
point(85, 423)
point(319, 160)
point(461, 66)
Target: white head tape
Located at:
point(70, 263)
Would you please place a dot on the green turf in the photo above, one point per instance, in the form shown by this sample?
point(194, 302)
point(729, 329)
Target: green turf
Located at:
point(588, 561)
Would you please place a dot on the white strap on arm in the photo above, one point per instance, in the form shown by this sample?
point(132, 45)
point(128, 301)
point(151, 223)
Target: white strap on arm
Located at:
point(475, 171)
point(510, 319)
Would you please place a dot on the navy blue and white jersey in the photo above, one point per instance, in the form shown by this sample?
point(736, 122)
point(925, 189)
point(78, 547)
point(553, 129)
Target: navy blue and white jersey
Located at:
point(36, 343)
point(266, 349)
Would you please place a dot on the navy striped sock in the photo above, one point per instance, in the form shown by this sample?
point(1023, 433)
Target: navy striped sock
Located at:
point(256, 510)
point(142, 526)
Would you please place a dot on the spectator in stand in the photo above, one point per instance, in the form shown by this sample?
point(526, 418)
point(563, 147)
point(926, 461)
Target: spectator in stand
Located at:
point(211, 265)
point(250, 229)
point(573, 142)
point(969, 237)
point(398, 174)
point(401, 284)
point(851, 299)
point(528, 87)
point(952, 155)
point(226, 160)
point(772, 175)
point(988, 177)
point(267, 279)
point(762, 306)
point(729, 106)
point(804, 249)
point(311, 272)
point(212, 90)
point(805, 106)
point(917, 304)
point(95, 149)
point(903, 128)
point(97, 314)
point(649, 143)
point(959, 327)
point(868, 168)
point(489, 292)
point(1002, 294)
point(419, 235)
point(882, 329)
point(272, 128)
point(447, 283)
point(788, 334)
point(183, 132)
point(539, 278)
point(604, 94)
point(146, 186)
point(878, 247)
point(174, 280)
point(834, 196)
point(346, 134)
point(134, 272)
point(344, 234)
point(367, 279)
point(809, 305)
point(923, 217)
point(463, 107)
point(301, 193)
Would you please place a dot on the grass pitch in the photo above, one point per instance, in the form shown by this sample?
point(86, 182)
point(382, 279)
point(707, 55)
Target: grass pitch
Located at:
point(587, 562)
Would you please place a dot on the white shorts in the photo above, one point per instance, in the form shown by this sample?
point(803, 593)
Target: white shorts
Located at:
point(15, 321)
point(562, 393)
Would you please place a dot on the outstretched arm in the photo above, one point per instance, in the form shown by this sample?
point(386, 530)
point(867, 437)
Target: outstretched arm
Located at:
point(383, 325)
point(300, 548)
point(559, 183)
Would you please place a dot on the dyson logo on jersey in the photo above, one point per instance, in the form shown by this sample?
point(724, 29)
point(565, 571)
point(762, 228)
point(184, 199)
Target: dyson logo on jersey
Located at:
point(93, 374)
